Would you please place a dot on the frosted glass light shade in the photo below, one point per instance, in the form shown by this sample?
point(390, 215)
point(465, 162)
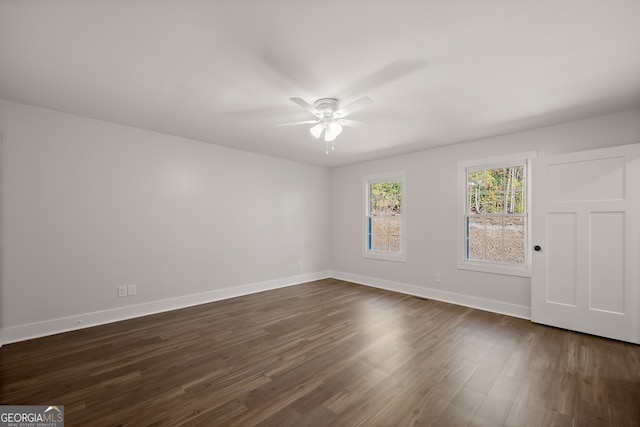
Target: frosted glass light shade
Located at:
point(335, 128)
point(316, 130)
point(328, 135)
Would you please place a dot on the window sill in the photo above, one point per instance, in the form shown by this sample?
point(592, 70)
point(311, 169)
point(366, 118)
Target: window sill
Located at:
point(522, 271)
point(385, 257)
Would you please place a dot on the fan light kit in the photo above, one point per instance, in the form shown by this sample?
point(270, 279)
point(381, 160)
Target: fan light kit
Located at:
point(329, 117)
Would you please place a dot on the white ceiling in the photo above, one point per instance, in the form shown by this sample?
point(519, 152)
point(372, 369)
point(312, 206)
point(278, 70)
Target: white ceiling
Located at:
point(439, 71)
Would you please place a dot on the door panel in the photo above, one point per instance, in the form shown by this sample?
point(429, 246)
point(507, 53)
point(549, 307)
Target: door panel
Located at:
point(606, 261)
point(585, 213)
point(562, 251)
point(601, 179)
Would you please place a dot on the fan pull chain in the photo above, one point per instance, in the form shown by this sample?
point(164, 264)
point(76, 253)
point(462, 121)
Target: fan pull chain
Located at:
point(326, 147)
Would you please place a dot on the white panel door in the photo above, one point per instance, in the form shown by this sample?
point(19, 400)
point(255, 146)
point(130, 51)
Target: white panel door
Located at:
point(586, 237)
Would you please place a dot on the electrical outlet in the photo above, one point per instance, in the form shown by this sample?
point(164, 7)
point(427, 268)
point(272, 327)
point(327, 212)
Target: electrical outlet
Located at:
point(122, 291)
point(436, 277)
point(131, 290)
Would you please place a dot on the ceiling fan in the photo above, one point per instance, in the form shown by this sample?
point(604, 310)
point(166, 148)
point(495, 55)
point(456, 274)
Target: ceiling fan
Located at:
point(329, 117)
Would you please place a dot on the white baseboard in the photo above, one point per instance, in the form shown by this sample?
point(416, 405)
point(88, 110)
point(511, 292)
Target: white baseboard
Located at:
point(514, 310)
point(86, 320)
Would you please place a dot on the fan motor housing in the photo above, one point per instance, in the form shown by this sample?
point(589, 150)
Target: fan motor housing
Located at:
point(327, 106)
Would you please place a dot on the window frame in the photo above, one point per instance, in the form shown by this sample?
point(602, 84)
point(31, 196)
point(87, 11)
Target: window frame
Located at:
point(464, 167)
point(386, 256)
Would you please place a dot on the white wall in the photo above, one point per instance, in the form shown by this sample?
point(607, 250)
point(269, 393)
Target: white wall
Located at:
point(89, 205)
point(431, 216)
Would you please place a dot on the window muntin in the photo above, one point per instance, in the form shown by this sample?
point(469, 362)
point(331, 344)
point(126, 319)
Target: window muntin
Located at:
point(384, 228)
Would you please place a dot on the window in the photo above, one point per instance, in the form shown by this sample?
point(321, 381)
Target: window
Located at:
point(495, 215)
point(384, 228)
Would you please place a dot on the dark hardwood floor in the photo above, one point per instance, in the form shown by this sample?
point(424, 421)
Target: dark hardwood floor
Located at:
point(327, 353)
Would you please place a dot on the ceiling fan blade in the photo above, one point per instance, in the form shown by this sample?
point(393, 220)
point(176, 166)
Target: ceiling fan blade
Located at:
point(304, 104)
point(390, 73)
point(353, 123)
point(284, 65)
point(298, 123)
point(353, 107)
point(267, 113)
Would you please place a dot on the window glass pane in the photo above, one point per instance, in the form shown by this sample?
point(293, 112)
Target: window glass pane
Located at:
point(496, 239)
point(379, 240)
point(493, 250)
point(475, 227)
point(518, 202)
point(385, 234)
point(496, 190)
point(494, 227)
point(514, 227)
point(494, 234)
point(385, 198)
point(475, 249)
point(394, 236)
point(514, 252)
point(384, 217)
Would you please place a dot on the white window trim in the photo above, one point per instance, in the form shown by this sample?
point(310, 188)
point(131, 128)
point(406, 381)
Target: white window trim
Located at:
point(488, 163)
point(366, 253)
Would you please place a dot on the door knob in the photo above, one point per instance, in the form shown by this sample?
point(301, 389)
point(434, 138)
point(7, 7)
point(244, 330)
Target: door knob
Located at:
point(537, 248)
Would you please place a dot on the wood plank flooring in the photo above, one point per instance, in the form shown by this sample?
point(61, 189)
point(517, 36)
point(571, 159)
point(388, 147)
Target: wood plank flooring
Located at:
point(327, 353)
